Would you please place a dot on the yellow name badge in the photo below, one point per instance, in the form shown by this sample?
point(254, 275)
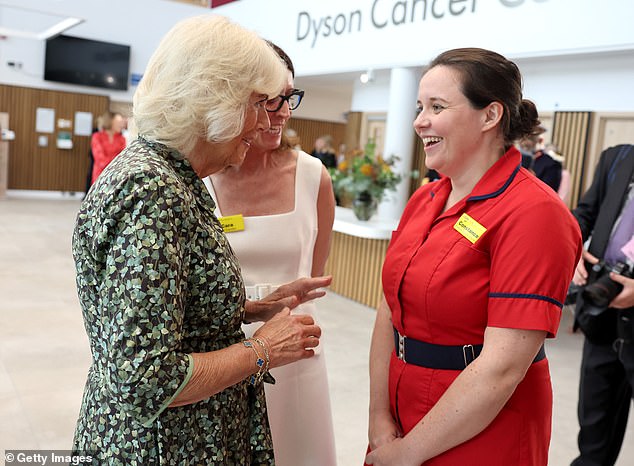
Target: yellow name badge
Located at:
point(232, 223)
point(469, 228)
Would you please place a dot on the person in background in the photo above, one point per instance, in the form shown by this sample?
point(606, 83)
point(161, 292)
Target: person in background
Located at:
point(324, 151)
point(285, 201)
point(107, 143)
point(292, 138)
point(173, 379)
point(125, 130)
point(563, 189)
point(91, 159)
point(547, 166)
point(458, 373)
point(528, 146)
point(606, 215)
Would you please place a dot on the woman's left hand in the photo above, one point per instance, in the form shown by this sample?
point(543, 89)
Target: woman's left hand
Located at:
point(394, 453)
point(288, 295)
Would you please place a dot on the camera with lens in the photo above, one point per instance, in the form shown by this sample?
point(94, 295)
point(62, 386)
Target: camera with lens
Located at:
point(601, 289)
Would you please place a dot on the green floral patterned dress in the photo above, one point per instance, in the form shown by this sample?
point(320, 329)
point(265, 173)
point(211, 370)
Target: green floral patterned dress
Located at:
point(157, 280)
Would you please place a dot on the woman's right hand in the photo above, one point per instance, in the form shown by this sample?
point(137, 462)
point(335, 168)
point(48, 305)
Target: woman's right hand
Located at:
point(289, 295)
point(289, 337)
point(382, 429)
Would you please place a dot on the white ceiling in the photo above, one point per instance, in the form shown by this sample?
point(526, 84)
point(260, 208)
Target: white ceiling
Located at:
point(16, 21)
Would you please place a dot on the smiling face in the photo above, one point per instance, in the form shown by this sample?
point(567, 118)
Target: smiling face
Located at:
point(450, 127)
point(271, 138)
point(209, 157)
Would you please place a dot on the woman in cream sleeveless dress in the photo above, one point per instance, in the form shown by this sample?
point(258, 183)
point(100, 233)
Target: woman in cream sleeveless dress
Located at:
point(285, 199)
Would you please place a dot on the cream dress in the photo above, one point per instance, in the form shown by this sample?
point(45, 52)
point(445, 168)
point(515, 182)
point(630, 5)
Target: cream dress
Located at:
point(272, 250)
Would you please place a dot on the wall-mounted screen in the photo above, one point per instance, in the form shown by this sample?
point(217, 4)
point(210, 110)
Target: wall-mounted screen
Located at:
point(87, 62)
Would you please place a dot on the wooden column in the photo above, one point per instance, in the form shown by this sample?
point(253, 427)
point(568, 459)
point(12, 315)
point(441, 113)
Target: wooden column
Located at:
point(4, 157)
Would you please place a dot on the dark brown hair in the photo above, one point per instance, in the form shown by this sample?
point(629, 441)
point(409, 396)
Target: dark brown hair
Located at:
point(488, 77)
point(285, 144)
point(285, 58)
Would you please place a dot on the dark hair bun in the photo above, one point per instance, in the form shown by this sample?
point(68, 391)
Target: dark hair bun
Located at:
point(526, 122)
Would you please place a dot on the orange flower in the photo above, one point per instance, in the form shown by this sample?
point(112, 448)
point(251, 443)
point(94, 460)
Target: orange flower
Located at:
point(366, 169)
point(343, 166)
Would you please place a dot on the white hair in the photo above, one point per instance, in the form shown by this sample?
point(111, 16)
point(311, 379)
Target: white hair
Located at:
point(199, 81)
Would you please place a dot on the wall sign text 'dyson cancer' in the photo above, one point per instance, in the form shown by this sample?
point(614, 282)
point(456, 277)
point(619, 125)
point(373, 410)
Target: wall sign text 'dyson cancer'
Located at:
point(384, 13)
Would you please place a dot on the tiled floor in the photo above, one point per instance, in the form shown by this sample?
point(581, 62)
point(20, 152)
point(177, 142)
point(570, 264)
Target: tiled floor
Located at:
point(44, 352)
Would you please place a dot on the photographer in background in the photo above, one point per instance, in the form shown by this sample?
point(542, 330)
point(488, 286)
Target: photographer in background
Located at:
point(605, 307)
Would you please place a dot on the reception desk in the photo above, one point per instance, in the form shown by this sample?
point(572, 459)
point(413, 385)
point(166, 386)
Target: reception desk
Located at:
point(356, 256)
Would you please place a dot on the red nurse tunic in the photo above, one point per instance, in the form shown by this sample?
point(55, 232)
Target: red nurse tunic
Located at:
point(104, 150)
point(446, 279)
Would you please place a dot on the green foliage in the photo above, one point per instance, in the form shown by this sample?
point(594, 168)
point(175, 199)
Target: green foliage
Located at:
point(365, 173)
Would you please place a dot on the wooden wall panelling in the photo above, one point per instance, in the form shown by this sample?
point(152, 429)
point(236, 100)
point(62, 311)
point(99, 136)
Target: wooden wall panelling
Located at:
point(355, 265)
point(309, 130)
point(352, 138)
point(571, 132)
point(47, 168)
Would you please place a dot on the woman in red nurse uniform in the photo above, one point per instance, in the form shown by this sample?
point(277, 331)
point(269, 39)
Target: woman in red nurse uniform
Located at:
point(474, 280)
point(107, 142)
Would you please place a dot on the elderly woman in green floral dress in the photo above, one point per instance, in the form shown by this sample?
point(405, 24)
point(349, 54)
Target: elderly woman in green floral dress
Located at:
point(173, 380)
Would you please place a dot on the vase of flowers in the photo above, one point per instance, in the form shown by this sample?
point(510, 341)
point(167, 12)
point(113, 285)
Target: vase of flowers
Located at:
point(364, 206)
point(364, 178)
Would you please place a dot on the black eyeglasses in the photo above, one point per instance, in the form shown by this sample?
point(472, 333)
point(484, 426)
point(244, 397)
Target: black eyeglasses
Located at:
point(293, 99)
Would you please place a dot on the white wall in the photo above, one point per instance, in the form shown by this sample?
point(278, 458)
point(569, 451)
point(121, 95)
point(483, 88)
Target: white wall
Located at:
point(597, 82)
point(373, 96)
point(326, 103)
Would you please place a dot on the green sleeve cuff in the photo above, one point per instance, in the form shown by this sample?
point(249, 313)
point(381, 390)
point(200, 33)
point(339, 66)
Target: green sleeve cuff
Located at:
point(164, 406)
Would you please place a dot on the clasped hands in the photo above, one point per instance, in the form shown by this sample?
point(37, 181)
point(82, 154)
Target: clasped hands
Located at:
point(387, 443)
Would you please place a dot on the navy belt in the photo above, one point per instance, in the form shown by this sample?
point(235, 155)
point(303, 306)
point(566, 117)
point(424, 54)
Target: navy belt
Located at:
point(421, 353)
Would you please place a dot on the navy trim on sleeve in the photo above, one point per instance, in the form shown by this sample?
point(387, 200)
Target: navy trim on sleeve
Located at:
point(527, 296)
